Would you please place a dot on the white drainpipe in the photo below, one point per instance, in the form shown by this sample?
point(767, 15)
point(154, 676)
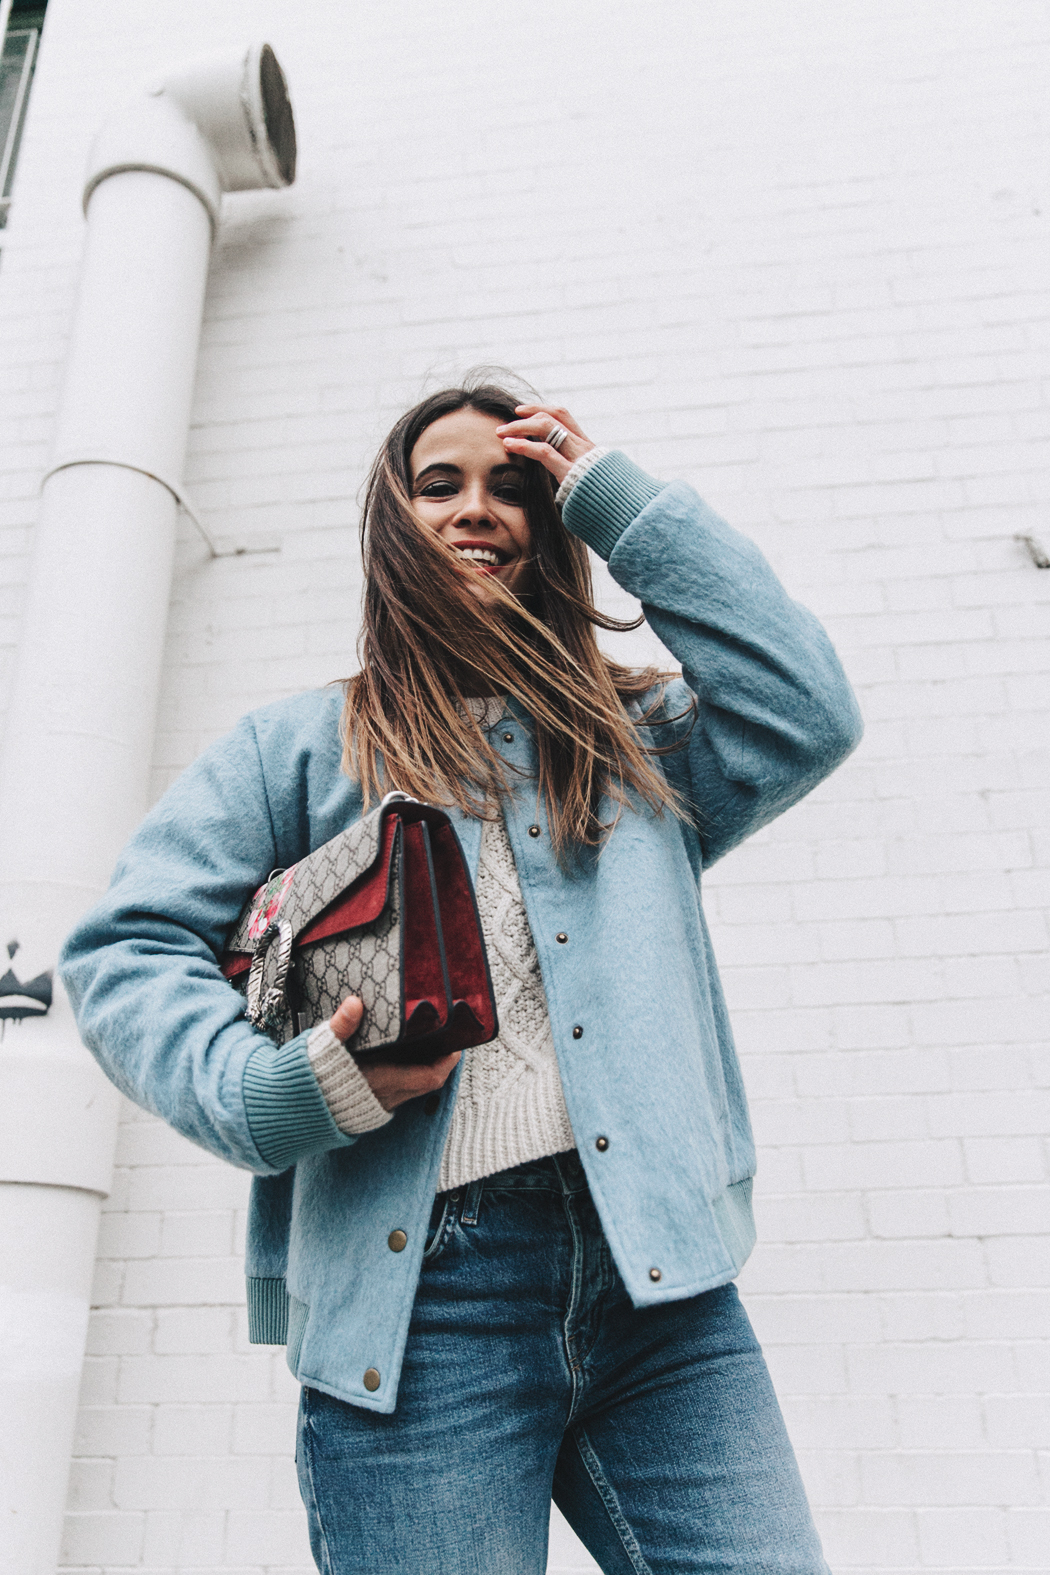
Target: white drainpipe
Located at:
point(74, 771)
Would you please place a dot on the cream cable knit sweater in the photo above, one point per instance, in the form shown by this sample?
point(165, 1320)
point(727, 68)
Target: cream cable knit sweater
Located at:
point(509, 1105)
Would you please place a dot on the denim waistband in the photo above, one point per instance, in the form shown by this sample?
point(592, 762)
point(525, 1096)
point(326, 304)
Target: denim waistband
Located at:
point(555, 1173)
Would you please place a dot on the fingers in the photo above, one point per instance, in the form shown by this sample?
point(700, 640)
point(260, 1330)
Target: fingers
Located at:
point(393, 1085)
point(346, 1019)
point(536, 422)
point(541, 424)
point(526, 436)
point(556, 413)
point(550, 458)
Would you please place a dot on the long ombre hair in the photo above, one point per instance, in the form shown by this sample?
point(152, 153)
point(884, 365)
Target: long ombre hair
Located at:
point(428, 642)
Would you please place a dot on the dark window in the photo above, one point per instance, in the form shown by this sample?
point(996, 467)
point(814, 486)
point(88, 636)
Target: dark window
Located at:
point(17, 65)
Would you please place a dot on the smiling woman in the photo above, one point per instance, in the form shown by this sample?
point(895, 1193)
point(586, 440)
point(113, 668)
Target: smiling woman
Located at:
point(507, 1276)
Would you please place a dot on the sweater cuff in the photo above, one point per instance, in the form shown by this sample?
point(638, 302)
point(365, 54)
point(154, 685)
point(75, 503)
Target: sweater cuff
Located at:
point(351, 1103)
point(286, 1110)
point(577, 472)
point(607, 499)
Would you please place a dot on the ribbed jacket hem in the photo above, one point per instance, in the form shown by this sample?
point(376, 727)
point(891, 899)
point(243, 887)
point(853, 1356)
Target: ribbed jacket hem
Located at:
point(488, 1138)
point(607, 499)
point(267, 1311)
point(286, 1110)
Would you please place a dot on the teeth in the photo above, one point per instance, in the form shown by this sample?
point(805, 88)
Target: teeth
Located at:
point(480, 555)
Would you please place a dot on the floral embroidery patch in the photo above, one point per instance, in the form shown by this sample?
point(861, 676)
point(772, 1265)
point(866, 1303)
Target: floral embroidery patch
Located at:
point(266, 904)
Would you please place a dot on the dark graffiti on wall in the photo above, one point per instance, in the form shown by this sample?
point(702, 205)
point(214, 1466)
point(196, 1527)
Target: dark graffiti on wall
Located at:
point(19, 1001)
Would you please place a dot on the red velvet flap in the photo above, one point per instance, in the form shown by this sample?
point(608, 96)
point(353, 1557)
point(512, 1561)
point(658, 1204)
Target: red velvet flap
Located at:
point(464, 949)
point(424, 983)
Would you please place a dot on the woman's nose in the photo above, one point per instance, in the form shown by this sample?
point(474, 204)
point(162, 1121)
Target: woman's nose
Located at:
point(474, 510)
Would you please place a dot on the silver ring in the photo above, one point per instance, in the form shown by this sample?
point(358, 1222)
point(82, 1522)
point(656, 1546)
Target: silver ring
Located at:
point(557, 435)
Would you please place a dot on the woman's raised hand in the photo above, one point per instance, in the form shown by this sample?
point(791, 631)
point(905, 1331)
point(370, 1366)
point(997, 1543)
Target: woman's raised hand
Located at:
point(543, 421)
point(391, 1085)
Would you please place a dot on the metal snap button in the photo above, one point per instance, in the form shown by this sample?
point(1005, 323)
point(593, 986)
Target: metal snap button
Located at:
point(534, 831)
point(372, 1379)
point(508, 738)
point(577, 1032)
point(601, 1144)
point(397, 1241)
point(561, 937)
point(654, 1274)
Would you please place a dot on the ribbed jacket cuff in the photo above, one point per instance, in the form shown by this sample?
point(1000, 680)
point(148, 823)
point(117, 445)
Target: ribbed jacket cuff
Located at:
point(353, 1106)
point(576, 473)
point(606, 500)
point(286, 1110)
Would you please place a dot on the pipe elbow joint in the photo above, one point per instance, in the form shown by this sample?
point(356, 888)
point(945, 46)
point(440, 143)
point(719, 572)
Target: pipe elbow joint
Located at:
point(214, 126)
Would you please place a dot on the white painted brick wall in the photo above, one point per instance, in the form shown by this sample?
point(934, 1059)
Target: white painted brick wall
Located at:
point(797, 255)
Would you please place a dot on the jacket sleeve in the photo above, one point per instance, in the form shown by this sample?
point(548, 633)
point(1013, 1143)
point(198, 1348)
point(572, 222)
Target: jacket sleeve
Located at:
point(775, 712)
point(142, 973)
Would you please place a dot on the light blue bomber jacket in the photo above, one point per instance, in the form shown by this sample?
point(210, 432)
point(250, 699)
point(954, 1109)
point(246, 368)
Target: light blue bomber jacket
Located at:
point(654, 1072)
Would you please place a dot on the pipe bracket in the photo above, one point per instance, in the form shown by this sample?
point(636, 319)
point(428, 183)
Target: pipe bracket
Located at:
point(214, 549)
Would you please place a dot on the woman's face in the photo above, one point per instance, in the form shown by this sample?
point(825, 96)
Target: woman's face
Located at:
point(468, 489)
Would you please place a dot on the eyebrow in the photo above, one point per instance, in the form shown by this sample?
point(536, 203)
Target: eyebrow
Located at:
point(442, 468)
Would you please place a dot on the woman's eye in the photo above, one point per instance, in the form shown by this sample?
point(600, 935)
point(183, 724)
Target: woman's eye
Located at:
point(510, 495)
point(437, 489)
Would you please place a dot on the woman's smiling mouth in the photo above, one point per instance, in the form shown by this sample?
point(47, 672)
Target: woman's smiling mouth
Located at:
point(481, 555)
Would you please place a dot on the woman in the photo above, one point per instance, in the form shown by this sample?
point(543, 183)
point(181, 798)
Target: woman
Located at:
point(510, 1278)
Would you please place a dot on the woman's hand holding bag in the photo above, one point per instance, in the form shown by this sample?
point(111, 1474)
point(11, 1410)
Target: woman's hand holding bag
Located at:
point(392, 1085)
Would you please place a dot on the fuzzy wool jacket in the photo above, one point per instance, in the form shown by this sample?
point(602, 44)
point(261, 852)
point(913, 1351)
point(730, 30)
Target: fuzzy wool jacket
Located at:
point(623, 951)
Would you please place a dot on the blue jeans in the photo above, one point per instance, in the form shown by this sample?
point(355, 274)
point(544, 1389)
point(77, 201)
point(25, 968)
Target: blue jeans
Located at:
point(528, 1374)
